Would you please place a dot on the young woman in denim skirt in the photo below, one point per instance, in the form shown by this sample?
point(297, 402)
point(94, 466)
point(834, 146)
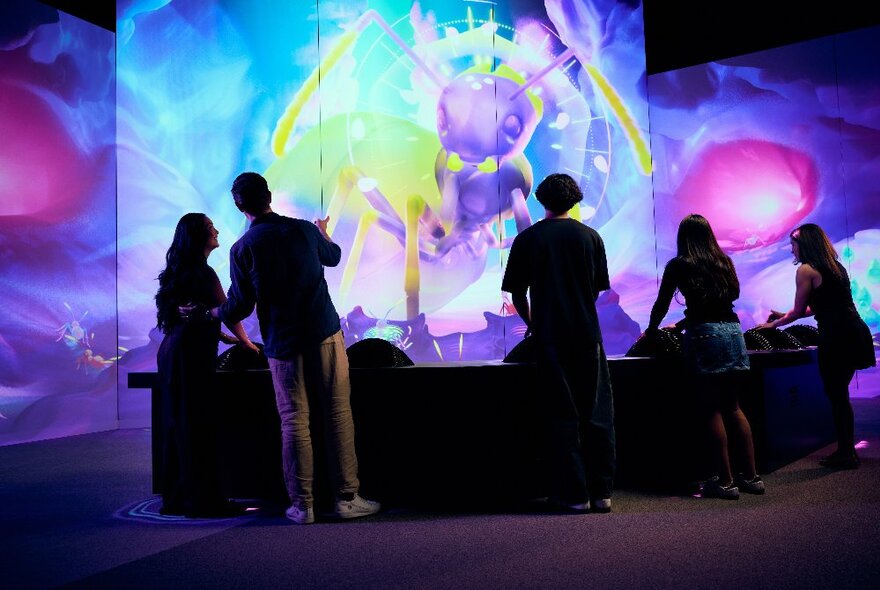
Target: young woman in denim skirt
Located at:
point(845, 342)
point(714, 351)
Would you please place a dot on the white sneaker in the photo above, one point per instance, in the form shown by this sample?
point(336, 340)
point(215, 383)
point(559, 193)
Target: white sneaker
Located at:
point(585, 507)
point(300, 516)
point(356, 507)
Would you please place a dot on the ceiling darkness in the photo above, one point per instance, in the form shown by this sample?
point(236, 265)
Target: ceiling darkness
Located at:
point(678, 33)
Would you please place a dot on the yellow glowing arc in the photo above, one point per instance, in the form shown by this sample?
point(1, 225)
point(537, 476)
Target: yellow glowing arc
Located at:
point(621, 113)
point(288, 119)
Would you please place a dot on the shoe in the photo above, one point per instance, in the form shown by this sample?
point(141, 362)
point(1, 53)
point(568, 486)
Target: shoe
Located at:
point(299, 515)
point(749, 486)
point(713, 489)
point(602, 505)
point(841, 461)
point(832, 457)
point(583, 507)
point(356, 507)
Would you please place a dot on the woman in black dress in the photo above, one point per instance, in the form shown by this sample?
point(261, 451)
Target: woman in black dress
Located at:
point(845, 343)
point(714, 350)
point(186, 362)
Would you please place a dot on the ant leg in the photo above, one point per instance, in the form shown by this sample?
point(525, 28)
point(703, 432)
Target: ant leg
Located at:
point(350, 178)
point(415, 208)
point(520, 215)
point(488, 231)
point(371, 15)
point(344, 184)
point(520, 210)
point(431, 222)
point(366, 223)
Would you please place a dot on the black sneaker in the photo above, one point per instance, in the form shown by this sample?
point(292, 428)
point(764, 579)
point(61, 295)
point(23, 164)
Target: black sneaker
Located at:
point(713, 489)
point(841, 461)
point(602, 505)
point(749, 486)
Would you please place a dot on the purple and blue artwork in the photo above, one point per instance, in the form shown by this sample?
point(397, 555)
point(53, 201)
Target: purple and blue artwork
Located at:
point(421, 128)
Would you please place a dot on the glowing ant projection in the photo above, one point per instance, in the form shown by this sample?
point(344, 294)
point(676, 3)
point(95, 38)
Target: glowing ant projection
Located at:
point(72, 332)
point(479, 177)
point(77, 337)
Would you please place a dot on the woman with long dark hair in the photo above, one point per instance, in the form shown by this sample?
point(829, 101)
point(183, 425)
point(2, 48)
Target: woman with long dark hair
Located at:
point(186, 361)
point(845, 344)
point(714, 351)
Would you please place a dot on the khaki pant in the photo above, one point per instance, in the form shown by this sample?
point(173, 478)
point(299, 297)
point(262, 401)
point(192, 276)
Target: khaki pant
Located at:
point(325, 367)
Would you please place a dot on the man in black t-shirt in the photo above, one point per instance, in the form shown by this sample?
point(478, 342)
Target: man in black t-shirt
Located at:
point(561, 263)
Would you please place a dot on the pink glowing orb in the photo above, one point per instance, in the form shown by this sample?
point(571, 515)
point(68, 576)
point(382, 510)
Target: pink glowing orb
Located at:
point(42, 172)
point(752, 192)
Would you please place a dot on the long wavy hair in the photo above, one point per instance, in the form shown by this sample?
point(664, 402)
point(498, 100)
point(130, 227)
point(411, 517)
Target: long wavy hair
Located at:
point(815, 249)
point(184, 262)
point(697, 245)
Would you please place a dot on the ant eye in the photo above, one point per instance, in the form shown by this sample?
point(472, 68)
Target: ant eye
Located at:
point(512, 126)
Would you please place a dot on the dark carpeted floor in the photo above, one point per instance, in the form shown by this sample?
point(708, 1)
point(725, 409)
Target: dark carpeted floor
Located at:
point(74, 512)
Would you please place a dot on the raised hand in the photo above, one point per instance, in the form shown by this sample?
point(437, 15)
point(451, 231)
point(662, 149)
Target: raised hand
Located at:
point(322, 226)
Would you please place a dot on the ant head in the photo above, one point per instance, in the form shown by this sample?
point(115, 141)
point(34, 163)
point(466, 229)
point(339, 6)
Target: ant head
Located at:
point(477, 119)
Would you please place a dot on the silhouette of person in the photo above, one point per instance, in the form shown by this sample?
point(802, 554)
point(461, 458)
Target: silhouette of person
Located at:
point(561, 264)
point(278, 266)
point(186, 366)
point(845, 344)
point(714, 351)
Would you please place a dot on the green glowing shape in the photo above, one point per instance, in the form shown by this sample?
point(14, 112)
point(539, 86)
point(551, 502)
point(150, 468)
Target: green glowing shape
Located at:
point(397, 153)
point(873, 273)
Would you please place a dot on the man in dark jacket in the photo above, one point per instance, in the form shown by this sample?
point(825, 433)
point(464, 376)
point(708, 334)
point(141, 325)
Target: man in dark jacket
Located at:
point(278, 265)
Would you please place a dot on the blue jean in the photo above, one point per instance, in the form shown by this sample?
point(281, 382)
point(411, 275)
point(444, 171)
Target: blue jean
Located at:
point(715, 347)
point(326, 367)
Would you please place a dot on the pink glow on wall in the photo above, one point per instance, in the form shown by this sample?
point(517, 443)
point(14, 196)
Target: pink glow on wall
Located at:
point(34, 136)
point(752, 191)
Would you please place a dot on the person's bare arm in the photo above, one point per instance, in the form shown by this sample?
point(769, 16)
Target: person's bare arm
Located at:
point(805, 281)
point(237, 328)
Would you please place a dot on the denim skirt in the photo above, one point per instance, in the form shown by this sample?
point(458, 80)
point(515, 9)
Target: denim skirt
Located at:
point(715, 347)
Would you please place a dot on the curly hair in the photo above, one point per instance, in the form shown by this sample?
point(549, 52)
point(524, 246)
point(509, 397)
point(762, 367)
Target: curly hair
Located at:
point(185, 261)
point(558, 193)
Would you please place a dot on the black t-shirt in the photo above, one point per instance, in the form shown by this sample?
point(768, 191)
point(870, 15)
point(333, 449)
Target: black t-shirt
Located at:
point(702, 306)
point(562, 264)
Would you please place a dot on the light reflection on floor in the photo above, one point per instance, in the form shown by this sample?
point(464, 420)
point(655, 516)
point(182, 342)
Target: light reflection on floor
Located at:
point(148, 511)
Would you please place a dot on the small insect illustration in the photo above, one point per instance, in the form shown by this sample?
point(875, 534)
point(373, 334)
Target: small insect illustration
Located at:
point(72, 331)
